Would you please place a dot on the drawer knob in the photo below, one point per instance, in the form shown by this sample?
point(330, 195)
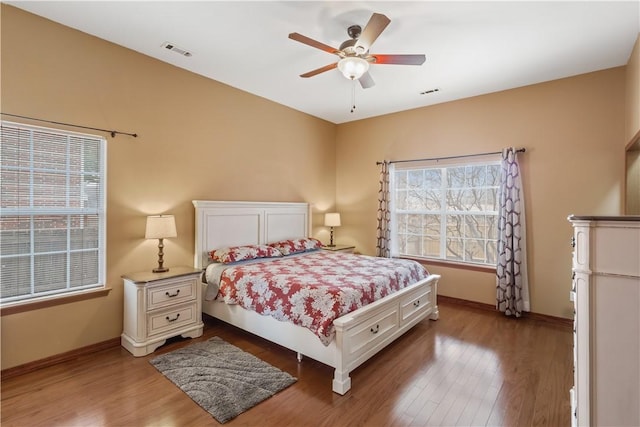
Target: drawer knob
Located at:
point(416, 303)
point(172, 295)
point(375, 330)
point(174, 319)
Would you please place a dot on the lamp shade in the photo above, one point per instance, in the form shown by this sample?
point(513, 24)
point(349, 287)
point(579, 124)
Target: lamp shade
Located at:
point(160, 227)
point(332, 219)
point(353, 67)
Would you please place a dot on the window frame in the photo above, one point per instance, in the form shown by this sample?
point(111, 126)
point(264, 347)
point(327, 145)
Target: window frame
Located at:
point(443, 211)
point(32, 213)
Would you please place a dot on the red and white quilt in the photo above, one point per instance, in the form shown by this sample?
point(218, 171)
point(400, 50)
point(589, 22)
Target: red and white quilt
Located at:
point(313, 289)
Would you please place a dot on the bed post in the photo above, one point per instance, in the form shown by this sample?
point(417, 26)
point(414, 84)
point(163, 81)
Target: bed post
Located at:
point(435, 314)
point(197, 256)
point(341, 379)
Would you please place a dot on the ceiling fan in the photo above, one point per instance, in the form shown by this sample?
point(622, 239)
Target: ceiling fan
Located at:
point(354, 53)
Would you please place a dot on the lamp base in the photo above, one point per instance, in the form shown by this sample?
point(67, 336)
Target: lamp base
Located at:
point(331, 246)
point(160, 268)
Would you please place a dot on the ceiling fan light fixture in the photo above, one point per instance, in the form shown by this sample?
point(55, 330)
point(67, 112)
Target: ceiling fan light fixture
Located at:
point(353, 67)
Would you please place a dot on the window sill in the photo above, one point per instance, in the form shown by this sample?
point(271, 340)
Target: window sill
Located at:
point(452, 264)
point(21, 307)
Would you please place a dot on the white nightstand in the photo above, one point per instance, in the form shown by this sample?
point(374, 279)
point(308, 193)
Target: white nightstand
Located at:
point(340, 248)
point(158, 306)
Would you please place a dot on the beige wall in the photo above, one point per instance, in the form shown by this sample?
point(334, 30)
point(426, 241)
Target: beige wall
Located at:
point(632, 132)
point(572, 129)
point(199, 139)
point(632, 114)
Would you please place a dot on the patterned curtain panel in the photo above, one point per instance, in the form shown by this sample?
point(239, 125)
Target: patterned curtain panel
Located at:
point(511, 270)
point(383, 245)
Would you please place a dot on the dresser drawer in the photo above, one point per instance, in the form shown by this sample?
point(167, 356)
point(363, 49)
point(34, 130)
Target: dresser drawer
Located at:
point(370, 333)
point(617, 250)
point(173, 318)
point(171, 293)
point(415, 303)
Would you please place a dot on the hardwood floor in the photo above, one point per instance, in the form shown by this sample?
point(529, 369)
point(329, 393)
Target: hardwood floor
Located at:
point(471, 367)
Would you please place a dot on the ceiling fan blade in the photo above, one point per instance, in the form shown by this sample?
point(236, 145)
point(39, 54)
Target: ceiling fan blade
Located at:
point(399, 59)
point(366, 81)
point(376, 25)
point(320, 70)
point(313, 43)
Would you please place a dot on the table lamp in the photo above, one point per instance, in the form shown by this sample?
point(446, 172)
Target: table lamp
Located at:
point(160, 227)
point(332, 220)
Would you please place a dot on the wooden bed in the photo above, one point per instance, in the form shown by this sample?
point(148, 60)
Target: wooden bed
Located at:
point(359, 335)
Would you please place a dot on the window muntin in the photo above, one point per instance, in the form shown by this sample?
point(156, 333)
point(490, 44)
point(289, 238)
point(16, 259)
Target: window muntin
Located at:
point(447, 212)
point(52, 212)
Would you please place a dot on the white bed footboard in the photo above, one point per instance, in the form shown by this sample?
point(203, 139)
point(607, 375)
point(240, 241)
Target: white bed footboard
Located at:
point(363, 333)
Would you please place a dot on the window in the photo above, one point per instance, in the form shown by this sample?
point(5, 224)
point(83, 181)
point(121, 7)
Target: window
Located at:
point(447, 212)
point(52, 212)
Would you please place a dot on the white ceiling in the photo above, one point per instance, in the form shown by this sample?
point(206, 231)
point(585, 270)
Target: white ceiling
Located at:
point(472, 48)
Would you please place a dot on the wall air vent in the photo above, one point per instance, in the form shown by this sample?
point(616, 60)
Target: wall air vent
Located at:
point(427, 92)
point(172, 47)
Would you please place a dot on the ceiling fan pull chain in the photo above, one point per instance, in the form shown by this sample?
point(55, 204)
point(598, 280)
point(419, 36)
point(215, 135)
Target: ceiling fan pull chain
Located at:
point(353, 95)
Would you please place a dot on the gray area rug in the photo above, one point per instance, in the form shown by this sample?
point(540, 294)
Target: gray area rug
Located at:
point(221, 378)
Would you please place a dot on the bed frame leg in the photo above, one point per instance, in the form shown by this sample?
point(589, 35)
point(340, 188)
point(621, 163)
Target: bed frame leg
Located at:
point(435, 314)
point(341, 382)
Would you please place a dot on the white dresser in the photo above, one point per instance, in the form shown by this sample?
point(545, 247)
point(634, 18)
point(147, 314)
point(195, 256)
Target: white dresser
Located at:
point(606, 295)
point(158, 306)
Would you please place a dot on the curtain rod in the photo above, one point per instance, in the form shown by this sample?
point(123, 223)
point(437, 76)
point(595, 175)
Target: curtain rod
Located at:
point(519, 150)
point(112, 132)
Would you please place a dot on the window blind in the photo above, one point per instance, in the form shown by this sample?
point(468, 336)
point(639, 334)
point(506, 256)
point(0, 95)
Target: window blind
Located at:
point(52, 212)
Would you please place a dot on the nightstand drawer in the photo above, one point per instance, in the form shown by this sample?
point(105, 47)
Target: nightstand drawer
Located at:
point(175, 317)
point(171, 293)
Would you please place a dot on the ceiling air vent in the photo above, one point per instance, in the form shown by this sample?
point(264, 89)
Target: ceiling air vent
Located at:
point(427, 92)
point(172, 47)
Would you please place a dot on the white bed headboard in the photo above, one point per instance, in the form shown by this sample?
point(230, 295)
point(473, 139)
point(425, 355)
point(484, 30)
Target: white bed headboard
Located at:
point(222, 224)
